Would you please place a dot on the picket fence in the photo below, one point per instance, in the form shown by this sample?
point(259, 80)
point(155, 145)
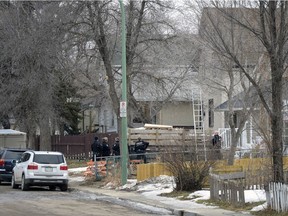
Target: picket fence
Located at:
point(228, 188)
point(278, 196)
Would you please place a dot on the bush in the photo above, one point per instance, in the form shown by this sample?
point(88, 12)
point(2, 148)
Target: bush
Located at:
point(190, 173)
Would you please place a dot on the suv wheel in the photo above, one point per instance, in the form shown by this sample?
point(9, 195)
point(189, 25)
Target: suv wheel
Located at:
point(24, 185)
point(64, 187)
point(13, 184)
point(52, 188)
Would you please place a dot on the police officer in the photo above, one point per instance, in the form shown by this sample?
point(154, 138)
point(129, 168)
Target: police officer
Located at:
point(96, 148)
point(105, 147)
point(140, 149)
point(116, 147)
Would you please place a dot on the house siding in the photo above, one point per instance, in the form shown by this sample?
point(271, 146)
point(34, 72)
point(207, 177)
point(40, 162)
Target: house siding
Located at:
point(178, 114)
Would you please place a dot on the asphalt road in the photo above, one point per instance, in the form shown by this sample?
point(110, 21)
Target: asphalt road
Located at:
point(40, 201)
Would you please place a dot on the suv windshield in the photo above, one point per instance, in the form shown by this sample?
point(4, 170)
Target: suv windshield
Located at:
point(48, 159)
point(13, 154)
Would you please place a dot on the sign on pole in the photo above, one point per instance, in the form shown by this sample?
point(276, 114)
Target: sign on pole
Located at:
point(123, 109)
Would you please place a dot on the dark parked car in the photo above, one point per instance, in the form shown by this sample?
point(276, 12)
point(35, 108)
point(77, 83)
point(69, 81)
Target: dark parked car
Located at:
point(7, 162)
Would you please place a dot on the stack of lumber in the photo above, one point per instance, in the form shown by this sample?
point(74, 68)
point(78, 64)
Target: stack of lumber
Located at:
point(160, 135)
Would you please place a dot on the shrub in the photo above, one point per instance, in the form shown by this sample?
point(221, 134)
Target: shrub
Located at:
point(190, 173)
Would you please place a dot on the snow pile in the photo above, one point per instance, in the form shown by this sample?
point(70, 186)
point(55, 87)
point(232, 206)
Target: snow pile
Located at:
point(160, 183)
point(152, 184)
point(130, 185)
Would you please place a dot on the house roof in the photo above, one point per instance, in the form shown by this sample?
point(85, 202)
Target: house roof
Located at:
point(243, 100)
point(10, 132)
point(174, 82)
point(238, 105)
point(238, 102)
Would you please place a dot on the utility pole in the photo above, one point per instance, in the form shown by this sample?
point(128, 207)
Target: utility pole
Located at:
point(123, 103)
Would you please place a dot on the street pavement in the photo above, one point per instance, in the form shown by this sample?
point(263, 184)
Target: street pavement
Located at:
point(155, 206)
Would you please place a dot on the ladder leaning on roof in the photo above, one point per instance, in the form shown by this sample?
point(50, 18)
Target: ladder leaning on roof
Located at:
point(198, 119)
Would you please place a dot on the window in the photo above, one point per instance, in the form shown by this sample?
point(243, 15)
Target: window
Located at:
point(25, 157)
point(13, 154)
point(112, 118)
point(48, 159)
point(285, 133)
point(211, 113)
point(235, 119)
point(105, 118)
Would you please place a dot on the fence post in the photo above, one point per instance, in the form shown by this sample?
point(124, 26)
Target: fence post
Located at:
point(267, 194)
point(85, 148)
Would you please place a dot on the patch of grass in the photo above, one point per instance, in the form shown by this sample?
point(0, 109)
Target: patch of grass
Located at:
point(228, 206)
point(269, 212)
point(77, 163)
point(180, 195)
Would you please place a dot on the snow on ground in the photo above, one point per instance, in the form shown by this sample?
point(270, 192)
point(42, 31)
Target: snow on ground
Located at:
point(153, 187)
point(76, 174)
point(77, 170)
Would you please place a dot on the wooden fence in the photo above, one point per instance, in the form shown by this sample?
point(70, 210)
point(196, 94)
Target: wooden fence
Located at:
point(79, 147)
point(161, 137)
point(176, 139)
point(258, 171)
point(278, 196)
point(228, 188)
point(257, 179)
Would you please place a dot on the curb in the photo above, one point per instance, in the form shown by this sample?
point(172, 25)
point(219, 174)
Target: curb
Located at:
point(180, 212)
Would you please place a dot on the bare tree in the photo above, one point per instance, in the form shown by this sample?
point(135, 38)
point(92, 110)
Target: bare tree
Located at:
point(31, 33)
point(219, 73)
point(149, 35)
point(266, 22)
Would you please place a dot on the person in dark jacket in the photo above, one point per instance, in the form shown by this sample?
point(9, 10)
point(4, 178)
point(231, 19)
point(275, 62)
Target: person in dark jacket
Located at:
point(105, 147)
point(140, 149)
point(96, 148)
point(216, 140)
point(116, 147)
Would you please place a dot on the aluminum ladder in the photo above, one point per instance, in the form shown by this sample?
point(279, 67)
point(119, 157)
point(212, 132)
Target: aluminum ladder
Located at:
point(198, 119)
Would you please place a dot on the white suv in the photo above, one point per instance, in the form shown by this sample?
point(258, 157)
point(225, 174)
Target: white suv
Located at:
point(40, 168)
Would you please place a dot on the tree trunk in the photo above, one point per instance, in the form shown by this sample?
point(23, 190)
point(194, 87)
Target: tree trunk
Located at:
point(31, 140)
point(277, 122)
point(277, 148)
point(235, 136)
point(233, 147)
point(45, 136)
